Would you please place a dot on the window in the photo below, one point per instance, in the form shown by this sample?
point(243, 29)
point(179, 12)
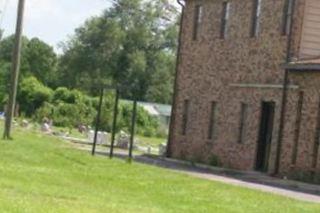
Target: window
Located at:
point(243, 118)
point(224, 19)
point(212, 121)
point(197, 21)
point(185, 117)
point(297, 129)
point(287, 17)
point(255, 28)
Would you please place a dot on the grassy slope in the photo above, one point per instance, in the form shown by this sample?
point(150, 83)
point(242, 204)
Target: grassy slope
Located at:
point(42, 174)
point(153, 142)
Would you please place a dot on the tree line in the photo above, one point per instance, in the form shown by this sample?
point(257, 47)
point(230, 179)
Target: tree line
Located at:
point(132, 43)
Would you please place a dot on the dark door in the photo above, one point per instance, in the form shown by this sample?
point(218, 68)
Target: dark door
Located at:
point(265, 136)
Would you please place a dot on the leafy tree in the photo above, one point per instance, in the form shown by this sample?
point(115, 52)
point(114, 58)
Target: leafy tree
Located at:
point(37, 59)
point(6, 48)
point(133, 44)
point(42, 61)
point(4, 79)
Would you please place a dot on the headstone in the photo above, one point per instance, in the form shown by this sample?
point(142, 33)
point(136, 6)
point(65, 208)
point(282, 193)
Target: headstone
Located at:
point(91, 136)
point(102, 137)
point(24, 123)
point(45, 128)
point(123, 140)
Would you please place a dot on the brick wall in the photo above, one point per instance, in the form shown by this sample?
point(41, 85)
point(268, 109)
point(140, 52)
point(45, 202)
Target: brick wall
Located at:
point(231, 71)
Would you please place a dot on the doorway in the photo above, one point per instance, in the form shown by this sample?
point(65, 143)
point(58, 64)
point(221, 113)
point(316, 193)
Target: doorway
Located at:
point(265, 136)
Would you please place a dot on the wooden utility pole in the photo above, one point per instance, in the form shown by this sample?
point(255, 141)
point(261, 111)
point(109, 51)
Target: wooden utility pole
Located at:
point(15, 68)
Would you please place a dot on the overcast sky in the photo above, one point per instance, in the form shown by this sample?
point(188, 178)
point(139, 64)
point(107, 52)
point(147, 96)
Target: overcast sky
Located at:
point(51, 20)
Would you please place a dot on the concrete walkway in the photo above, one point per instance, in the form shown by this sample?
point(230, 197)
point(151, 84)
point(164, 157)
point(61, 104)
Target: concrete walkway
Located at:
point(252, 180)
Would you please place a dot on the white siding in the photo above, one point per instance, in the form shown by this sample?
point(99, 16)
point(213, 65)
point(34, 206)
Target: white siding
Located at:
point(310, 41)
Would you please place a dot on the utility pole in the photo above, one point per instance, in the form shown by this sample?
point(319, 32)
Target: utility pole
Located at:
point(15, 68)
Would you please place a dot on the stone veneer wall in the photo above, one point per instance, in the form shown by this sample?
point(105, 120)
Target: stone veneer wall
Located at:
point(212, 69)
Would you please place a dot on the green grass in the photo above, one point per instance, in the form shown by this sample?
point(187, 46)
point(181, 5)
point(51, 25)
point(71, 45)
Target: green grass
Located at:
point(150, 141)
point(42, 174)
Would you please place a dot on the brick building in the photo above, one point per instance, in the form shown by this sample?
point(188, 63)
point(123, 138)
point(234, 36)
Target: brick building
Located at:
point(247, 90)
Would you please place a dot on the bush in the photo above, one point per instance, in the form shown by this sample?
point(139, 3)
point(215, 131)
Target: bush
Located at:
point(146, 125)
point(3, 100)
point(63, 94)
point(32, 95)
point(70, 108)
point(68, 115)
point(4, 82)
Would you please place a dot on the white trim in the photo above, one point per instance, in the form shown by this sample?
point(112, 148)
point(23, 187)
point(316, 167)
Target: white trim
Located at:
point(262, 86)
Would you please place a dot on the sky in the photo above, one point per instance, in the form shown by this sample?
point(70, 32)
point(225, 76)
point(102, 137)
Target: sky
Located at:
point(50, 20)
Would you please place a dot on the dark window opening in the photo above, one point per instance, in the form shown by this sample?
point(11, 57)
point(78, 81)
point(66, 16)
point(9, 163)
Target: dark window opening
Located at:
point(255, 28)
point(224, 19)
point(197, 21)
point(243, 118)
point(265, 136)
point(185, 117)
point(212, 121)
point(297, 128)
point(287, 17)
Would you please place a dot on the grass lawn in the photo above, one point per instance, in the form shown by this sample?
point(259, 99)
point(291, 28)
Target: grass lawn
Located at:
point(42, 174)
point(149, 141)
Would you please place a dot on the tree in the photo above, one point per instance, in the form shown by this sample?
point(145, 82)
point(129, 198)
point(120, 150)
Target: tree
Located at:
point(133, 43)
point(37, 59)
point(4, 79)
point(42, 61)
point(6, 47)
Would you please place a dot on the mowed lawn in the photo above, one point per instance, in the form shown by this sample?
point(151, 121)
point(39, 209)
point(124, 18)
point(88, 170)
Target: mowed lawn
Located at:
point(42, 174)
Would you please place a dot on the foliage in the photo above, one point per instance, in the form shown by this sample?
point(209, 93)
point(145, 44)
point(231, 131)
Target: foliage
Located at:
point(70, 108)
point(42, 61)
point(4, 79)
point(133, 43)
point(6, 48)
point(67, 115)
point(32, 95)
point(145, 124)
point(62, 94)
point(37, 59)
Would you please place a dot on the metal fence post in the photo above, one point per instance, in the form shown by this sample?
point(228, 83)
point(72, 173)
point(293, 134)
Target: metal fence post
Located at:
point(133, 123)
point(114, 125)
point(97, 122)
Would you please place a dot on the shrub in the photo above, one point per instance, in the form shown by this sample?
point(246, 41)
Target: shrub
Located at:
point(67, 115)
point(145, 124)
point(63, 94)
point(4, 81)
point(69, 108)
point(32, 95)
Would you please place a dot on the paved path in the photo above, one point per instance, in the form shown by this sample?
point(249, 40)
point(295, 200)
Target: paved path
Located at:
point(252, 180)
point(260, 187)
